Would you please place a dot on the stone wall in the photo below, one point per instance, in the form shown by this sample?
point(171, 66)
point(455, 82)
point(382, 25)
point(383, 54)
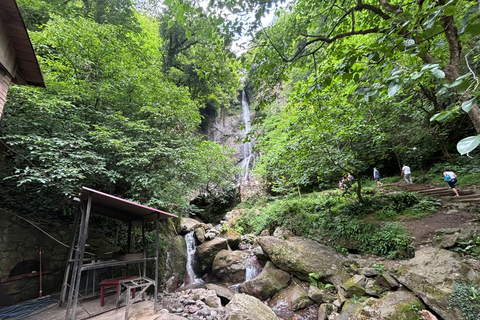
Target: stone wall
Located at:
point(20, 244)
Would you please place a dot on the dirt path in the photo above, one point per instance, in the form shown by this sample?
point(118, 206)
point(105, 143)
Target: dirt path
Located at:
point(450, 215)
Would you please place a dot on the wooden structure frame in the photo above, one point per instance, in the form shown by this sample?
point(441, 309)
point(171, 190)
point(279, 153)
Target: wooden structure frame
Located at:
point(93, 201)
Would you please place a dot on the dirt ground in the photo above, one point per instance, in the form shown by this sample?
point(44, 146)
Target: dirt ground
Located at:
point(450, 216)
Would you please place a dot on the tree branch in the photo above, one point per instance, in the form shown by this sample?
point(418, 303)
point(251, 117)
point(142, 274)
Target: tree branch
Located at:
point(393, 8)
point(339, 36)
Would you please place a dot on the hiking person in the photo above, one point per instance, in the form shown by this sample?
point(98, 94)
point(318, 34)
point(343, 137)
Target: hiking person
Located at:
point(407, 174)
point(376, 176)
point(451, 178)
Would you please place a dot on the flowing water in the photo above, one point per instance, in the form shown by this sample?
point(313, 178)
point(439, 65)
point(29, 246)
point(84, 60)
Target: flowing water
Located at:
point(248, 157)
point(190, 276)
point(252, 268)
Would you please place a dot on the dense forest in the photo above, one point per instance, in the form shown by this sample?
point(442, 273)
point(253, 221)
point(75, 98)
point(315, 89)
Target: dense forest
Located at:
point(337, 87)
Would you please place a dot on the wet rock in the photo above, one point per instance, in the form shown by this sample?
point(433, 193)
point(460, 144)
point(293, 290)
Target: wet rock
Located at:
point(229, 266)
point(267, 283)
point(245, 307)
point(301, 257)
point(294, 297)
point(206, 252)
point(176, 262)
point(200, 234)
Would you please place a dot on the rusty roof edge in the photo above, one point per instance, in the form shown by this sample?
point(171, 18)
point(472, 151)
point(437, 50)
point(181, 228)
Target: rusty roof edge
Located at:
point(168, 214)
point(36, 83)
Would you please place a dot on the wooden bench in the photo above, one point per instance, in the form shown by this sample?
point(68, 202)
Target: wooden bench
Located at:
point(114, 282)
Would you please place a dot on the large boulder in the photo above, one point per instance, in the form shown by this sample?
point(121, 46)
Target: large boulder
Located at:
point(200, 234)
point(399, 304)
point(267, 283)
point(206, 252)
point(292, 298)
point(233, 238)
point(224, 293)
point(229, 266)
point(301, 257)
point(188, 224)
point(245, 307)
point(431, 276)
point(175, 265)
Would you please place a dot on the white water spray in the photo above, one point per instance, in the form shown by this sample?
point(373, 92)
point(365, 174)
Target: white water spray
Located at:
point(248, 158)
point(191, 277)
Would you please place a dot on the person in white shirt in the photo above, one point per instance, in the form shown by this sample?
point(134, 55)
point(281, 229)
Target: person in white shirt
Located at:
point(407, 174)
point(451, 178)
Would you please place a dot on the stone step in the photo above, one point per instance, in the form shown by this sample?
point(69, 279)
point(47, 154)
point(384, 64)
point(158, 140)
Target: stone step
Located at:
point(461, 199)
point(436, 192)
point(469, 195)
point(416, 187)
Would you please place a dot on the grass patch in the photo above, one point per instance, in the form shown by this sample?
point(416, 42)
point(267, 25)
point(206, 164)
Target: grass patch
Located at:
point(339, 218)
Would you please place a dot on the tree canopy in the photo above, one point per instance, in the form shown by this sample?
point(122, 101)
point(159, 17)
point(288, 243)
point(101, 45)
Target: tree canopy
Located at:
point(113, 117)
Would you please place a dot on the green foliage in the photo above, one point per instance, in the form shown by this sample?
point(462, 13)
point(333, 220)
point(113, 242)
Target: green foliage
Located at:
point(465, 297)
point(469, 246)
point(315, 280)
point(379, 267)
point(339, 219)
point(108, 119)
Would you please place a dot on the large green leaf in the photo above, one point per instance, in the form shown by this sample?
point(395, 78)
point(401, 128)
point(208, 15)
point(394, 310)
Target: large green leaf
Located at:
point(468, 144)
point(393, 88)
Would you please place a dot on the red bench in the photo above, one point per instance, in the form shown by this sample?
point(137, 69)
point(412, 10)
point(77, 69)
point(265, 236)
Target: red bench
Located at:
point(114, 282)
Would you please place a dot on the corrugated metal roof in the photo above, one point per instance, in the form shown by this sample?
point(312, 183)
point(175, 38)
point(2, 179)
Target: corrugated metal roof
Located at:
point(120, 209)
point(28, 69)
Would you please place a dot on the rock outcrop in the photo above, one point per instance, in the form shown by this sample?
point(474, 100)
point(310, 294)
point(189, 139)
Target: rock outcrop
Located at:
point(267, 283)
point(229, 266)
point(431, 276)
point(247, 307)
point(206, 252)
point(301, 257)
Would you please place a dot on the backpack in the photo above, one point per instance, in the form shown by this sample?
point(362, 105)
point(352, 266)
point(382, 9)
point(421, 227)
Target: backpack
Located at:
point(447, 178)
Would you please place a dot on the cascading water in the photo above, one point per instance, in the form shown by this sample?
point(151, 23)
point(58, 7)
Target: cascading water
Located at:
point(248, 157)
point(252, 268)
point(190, 276)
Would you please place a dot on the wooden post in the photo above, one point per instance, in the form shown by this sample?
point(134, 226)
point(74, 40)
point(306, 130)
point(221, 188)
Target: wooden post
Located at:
point(78, 263)
point(70, 256)
point(155, 292)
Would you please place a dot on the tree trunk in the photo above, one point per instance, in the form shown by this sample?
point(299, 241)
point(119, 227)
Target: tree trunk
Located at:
point(474, 115)
point(359, 187)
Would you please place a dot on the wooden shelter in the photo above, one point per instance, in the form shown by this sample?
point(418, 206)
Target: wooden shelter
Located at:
point(18, 63)
point(96, 202)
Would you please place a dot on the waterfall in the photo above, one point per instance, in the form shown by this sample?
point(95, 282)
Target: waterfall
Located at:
point(248, 157)
point(190, 276)
point(252, 268)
